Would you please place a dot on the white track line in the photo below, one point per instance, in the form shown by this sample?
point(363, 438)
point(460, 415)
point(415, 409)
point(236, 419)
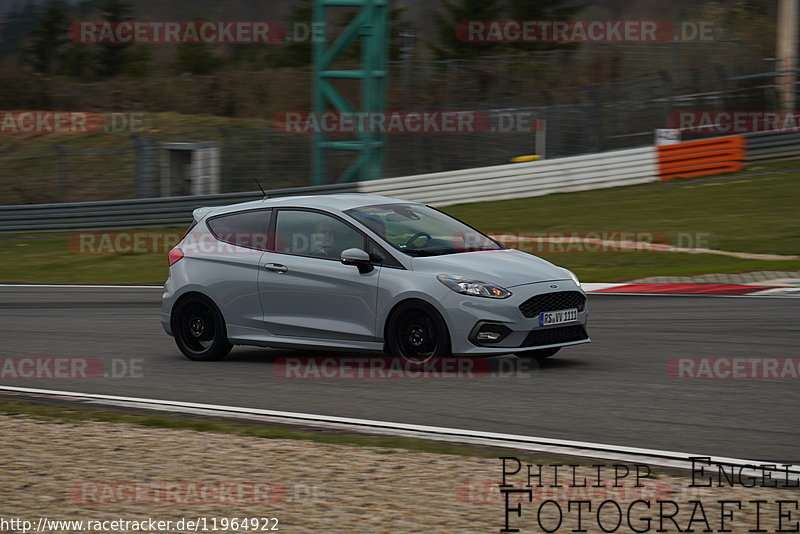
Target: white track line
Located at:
point(596, 286)
point(670, 459)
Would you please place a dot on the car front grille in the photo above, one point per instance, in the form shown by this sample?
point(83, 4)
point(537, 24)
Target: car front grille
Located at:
point(559, 300)
point(552, 336)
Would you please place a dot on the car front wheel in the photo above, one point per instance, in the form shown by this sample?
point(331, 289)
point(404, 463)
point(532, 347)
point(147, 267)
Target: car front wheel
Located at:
point(418, 333)
point(199, 329)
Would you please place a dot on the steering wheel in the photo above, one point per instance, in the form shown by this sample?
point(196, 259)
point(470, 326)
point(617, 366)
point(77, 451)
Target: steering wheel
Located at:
point(417, 236)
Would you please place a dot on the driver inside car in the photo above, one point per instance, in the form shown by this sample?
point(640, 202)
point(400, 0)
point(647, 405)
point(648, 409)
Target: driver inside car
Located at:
point(322, 240)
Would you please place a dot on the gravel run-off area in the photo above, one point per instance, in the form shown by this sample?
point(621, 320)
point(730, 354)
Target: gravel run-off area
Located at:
point(105, 471)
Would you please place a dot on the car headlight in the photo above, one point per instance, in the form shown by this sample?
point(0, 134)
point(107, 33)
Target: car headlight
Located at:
point(468, 286)
point(574, 277)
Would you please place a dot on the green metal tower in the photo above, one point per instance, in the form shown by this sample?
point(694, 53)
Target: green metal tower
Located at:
point(370, 28)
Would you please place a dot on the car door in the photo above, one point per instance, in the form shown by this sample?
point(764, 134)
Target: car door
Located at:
point(305, 290)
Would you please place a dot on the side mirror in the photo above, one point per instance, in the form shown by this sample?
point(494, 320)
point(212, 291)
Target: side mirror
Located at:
point(359, 258)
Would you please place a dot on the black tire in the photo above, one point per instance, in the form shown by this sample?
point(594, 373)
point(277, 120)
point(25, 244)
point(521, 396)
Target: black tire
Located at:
point(417, 332)
point(539, 354)
point(199, 329)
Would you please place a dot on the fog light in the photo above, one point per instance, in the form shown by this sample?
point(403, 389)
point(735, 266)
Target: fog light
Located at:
point(489, 333)
point(489, 336)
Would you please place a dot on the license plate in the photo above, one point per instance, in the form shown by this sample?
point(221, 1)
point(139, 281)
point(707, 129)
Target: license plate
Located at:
point(558, 317)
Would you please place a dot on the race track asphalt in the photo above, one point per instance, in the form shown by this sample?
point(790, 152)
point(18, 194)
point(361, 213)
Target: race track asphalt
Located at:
point(616, 390)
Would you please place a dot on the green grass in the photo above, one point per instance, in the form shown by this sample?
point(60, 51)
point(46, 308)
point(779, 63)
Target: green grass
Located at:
point(54, 259)
point(757, 210)
point(753, 211)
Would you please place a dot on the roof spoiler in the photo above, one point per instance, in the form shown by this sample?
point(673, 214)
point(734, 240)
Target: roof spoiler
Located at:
point(199, 213)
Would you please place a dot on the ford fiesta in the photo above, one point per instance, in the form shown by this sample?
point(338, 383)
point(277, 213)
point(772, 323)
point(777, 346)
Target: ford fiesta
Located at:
point(365, 272)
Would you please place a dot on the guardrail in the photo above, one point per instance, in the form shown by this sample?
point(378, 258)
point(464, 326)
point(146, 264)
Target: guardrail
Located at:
point(172, 211)
point(701, 158)
point(772, 146)
point(501, 182)
point(593, 171)
point(520, 180)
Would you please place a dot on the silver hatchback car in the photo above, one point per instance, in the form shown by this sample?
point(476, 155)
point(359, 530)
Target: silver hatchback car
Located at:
point(362, 272)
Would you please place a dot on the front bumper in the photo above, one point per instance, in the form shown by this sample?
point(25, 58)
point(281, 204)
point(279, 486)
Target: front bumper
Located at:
point(466, 315)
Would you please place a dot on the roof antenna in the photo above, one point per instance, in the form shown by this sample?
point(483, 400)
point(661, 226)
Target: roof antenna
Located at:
point(262, 189)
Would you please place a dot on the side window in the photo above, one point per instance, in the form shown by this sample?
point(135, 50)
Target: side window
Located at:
point(314, 234)
point(245, 228)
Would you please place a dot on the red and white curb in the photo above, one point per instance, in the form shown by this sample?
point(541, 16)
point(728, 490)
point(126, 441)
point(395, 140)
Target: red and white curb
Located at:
point(735, 290)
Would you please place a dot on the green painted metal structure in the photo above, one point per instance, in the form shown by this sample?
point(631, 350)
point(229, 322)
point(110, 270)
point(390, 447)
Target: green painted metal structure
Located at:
point(370, 28)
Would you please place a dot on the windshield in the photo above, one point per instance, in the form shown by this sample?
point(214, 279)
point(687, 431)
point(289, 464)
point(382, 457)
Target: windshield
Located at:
point(418, 230)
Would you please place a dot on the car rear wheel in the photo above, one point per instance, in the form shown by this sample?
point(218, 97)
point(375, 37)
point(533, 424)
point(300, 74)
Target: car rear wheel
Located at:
point(539, 354)
point(418, 333)
point(200, 329)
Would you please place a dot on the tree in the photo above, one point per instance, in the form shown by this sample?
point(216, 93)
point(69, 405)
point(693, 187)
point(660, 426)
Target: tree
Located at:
point(76, 62)
point(111, 58)
point(397, 25)
point(449, 45)
point(18, 24)
point(253, 56)
point(541, 10)
point(297, 51)
point(43, 52)
point(197, 59)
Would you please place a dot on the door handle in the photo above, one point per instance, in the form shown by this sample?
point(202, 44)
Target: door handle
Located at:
point(276, 267)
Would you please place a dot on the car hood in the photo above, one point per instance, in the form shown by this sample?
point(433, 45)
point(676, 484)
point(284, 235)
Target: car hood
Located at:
point(507, 268)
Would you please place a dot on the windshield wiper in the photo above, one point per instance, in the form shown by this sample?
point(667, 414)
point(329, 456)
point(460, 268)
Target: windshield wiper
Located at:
point(422, 252)
point(446, 252)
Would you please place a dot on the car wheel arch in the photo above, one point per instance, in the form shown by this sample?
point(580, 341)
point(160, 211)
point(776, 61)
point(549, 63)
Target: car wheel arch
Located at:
point(191, 294)
point(409, 300)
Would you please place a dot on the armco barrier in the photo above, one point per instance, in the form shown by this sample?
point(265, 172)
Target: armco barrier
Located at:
point(593, 171)
point(502, 182)
point(701, 158)
point(133, 213)
point(520, 180)
point(772, 146)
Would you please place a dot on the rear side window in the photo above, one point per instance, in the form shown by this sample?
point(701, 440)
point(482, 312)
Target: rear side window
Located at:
point(245, 228)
